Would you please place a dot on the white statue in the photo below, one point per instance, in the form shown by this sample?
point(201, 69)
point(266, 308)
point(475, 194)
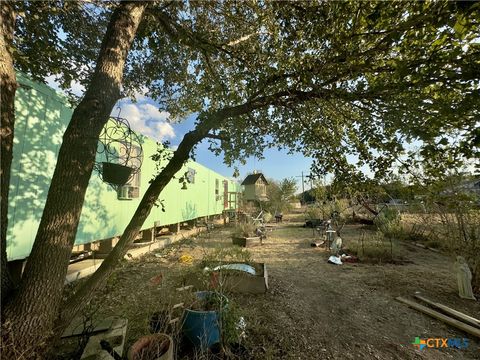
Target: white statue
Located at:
point(464, 279)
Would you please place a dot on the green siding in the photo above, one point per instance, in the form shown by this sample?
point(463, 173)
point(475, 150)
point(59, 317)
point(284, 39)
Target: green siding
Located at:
point(41, 118)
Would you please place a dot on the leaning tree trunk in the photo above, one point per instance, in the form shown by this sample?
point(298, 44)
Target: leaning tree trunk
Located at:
point(32, 311)
point(8, 86)
point(206, 123)
point(85, 293)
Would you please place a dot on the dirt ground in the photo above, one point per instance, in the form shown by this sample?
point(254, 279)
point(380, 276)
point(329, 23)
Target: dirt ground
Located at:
point(313, 310)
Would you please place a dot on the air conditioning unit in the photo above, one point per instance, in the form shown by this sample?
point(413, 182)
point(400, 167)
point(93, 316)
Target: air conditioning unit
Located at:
point(127, 192)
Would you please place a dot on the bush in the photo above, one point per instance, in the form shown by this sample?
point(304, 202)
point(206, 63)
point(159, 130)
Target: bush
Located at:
point(388, 222)
point(375, 249)
point(327, 210)
point(451, 222)
point(245, 230)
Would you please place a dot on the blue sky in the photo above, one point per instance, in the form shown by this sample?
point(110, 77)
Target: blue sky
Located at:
point(276, 165)
point(145, 118)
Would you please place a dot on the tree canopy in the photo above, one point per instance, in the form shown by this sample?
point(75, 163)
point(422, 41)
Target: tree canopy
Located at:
point(335, 80)
point(280, 194)
point(360, 78)
point(338, 81)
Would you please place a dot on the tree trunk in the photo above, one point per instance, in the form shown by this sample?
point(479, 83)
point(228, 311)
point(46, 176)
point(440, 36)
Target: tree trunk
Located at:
point(31, 313)
point(8, 86)
point(84, 294)
point(182, 154)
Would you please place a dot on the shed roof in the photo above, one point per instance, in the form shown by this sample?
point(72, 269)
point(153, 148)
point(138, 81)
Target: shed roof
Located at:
point(252, 179)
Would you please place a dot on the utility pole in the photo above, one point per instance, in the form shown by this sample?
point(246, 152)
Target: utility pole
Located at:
point(303, 186)
point(303, 189)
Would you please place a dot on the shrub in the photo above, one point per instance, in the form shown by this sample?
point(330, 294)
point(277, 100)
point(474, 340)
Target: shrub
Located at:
point(388, 222)
point(375, 249)
point(245, 230)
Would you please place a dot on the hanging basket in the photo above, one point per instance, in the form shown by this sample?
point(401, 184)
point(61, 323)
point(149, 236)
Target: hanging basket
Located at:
point(115, 173)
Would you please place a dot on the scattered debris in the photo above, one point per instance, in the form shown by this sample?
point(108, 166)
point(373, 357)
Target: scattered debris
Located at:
point(115, 338)
point(335, 260)
point(183, 288)
point(185, 259)
point(349, 258)
point(242, 326)
point(439, 316)
point(156, 280)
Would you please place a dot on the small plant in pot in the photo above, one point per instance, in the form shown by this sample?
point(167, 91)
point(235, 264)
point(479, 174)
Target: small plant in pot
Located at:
point(246, 235)
point(202, 320)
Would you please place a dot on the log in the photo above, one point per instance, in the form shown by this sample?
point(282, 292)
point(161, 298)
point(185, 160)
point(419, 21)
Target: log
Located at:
point(439, 316)
point(457, 314)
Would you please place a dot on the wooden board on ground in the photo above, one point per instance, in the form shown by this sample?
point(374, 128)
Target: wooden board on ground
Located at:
point(457, 314)
point(446, 319)
point(79, 326)
point(115, 337)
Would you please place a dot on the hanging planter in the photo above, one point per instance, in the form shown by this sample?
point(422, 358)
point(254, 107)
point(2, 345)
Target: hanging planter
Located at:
point(119, 153)
point(152, 347)
point(115, 173)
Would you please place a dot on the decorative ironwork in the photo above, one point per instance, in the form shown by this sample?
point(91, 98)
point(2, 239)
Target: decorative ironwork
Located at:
point(119, 152)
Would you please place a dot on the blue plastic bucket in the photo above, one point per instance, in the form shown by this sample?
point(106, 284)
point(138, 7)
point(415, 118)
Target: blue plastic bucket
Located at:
point(202, 328)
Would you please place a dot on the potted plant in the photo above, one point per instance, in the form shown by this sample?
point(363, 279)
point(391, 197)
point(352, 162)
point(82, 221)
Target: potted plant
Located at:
point(246, 235)
point(115, 173)
point(152, 347)
point(202, 320)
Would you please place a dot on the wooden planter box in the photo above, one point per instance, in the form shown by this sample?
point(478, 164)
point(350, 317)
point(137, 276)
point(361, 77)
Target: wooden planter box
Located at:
point(231, 280)
point(247, 241)
point(240, 282)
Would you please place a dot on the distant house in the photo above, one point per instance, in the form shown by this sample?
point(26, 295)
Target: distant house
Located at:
point(255, 187)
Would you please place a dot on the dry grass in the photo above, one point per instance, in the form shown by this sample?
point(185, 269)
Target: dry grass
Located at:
point(313, 310)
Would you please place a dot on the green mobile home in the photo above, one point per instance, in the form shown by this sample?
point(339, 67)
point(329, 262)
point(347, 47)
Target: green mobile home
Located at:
point(42, 116)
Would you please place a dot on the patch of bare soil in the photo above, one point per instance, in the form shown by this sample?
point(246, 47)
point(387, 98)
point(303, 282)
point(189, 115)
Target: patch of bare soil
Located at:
point(313, 310)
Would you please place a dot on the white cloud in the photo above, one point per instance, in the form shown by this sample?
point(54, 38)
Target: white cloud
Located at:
point(141, 95)
point(147, 120)
point(142, 116)
point(77, 88)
